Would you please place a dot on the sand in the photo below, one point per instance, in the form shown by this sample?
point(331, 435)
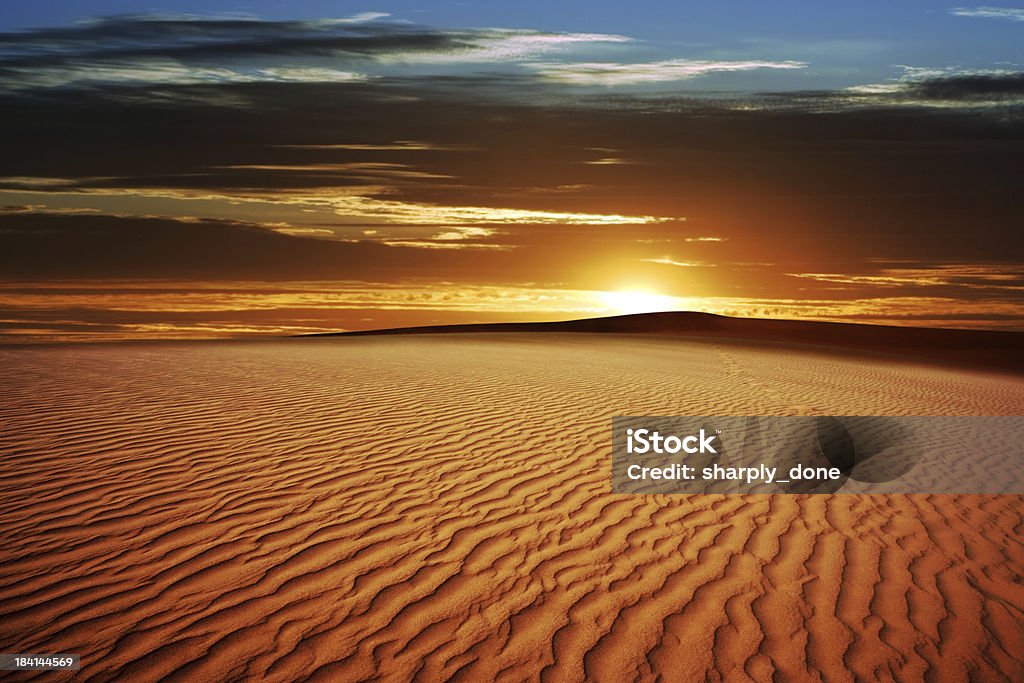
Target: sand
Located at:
point(439, 507)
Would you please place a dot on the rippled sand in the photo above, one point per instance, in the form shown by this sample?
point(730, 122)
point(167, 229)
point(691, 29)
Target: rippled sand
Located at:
point(439, 507)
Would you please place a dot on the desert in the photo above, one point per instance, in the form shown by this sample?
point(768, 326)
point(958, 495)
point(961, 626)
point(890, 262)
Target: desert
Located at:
point(324, 325)
point(438, 507)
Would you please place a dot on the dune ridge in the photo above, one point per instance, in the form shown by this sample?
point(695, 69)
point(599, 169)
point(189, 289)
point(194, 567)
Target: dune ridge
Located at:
point(439, 508)
point(994, 349)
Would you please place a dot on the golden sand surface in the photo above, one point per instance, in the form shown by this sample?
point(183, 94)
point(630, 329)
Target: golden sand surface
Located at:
point(439, 507)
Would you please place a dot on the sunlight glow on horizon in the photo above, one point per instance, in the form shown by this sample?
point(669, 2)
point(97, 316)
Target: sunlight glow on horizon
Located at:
point(628, 301)
point(210, 309)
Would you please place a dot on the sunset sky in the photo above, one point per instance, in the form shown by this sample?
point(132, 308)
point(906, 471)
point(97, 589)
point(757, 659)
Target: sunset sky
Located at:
point(289, 167)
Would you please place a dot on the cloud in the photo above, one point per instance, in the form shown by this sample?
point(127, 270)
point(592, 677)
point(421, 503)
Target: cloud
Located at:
point(928, 87)
point(79, 275)
point(610, 73)
point(165, 49)
point(30, 182)
point(162, 72)
point(472, 237)
point(988, 277)
point(46, 245)
point(481, 179)
point(396, 146)
point(381, 154)
point(608, 161)
point(364, 171)
point(985, 12)
point(503, 45)
point(986, 87)
point(307, 75)
point(680, 264)
point(330, 158)
point(363, 203)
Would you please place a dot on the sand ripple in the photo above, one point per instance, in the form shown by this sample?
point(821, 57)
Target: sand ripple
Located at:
point(440, 508)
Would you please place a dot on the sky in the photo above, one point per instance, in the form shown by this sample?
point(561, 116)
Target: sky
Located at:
point(221, 168)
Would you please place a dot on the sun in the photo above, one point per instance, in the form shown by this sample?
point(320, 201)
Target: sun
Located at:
point(636, 301)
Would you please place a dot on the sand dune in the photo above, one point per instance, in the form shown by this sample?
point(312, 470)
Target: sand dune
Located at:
point(978, 349)
point(410, 507)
